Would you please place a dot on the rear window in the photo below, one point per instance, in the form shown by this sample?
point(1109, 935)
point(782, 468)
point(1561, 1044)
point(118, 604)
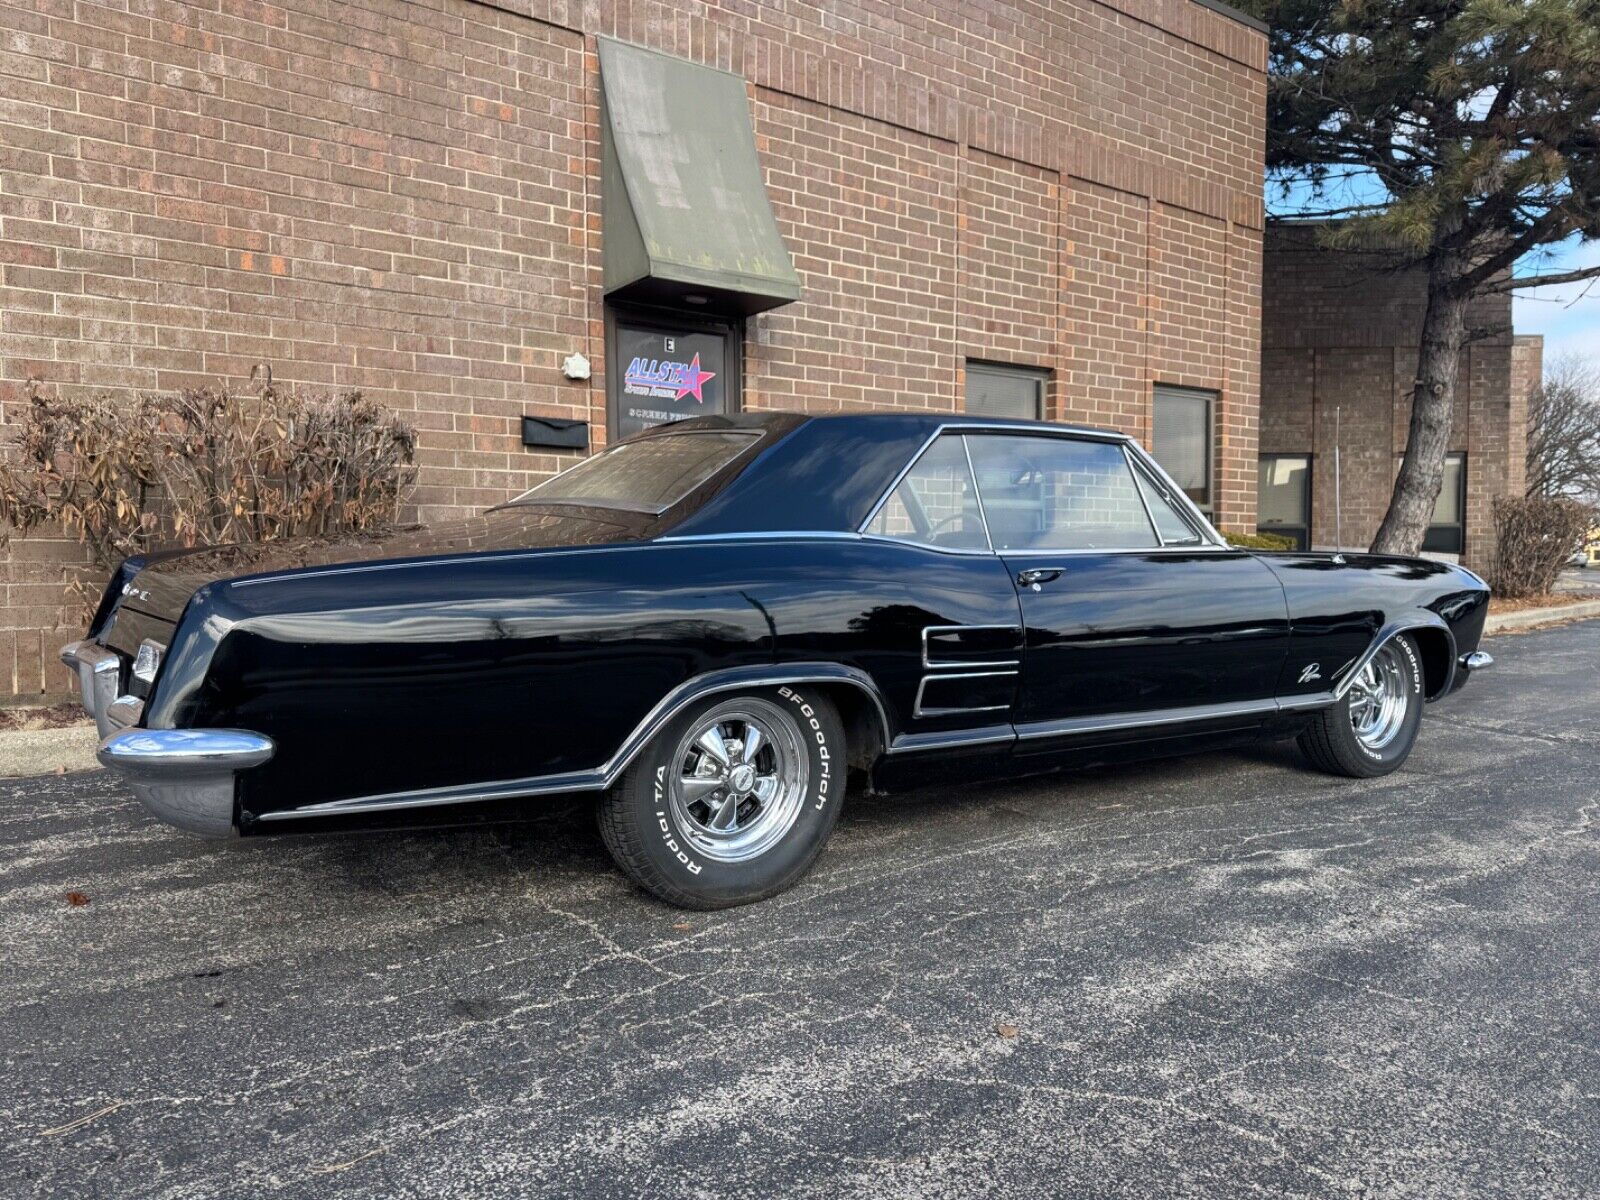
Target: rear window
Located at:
point(650, 475)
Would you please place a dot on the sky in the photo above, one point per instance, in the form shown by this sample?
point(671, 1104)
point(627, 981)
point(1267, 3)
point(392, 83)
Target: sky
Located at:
point(1567, 315)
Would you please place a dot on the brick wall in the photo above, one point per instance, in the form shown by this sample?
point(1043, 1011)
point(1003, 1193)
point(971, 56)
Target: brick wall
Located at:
point(1527, 373)
point(402, 196)
point(1339, 346)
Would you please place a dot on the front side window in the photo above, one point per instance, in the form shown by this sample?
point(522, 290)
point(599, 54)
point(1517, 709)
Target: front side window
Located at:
point(649, 475)
point(1046, 493)
point(1447, 531)
point(1181, 440)
point(1283, 497)
point(936, 503)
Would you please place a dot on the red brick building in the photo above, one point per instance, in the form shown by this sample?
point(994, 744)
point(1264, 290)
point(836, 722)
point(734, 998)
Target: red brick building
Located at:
point(1050, 206)
point(1339, 351)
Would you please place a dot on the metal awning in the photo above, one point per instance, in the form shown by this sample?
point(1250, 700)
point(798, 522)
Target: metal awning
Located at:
point(685, 212)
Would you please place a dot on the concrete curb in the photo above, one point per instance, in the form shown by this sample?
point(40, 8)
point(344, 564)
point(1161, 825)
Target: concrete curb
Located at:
point(46, 751)
point(1532, 617)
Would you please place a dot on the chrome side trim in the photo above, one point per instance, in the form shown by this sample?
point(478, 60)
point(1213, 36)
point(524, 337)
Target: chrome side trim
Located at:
point(1397, 626)
point(603, 776)
point(918, 711)
point(760, 535)
point(989, 735)
point(928, 630)
point(1156, 718)
point(186, 776)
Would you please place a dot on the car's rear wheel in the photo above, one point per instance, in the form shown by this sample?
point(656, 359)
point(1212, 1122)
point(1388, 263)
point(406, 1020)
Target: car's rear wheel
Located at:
point(732, 801)
point(1372, 729)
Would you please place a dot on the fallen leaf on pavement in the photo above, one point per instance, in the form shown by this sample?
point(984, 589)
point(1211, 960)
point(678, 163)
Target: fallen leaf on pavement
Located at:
point(77, 899)
point(1006, 1031)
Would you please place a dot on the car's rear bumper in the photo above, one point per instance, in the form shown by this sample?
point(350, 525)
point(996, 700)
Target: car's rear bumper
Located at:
point(186, 776)
point(183, 776)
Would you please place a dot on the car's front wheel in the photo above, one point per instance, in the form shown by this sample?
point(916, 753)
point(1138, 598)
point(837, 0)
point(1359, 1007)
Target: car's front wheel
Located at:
point(1371, 730)
point(732, 801)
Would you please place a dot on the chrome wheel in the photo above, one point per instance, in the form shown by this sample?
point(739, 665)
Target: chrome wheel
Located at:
point(740, 779)
point(1380, 697)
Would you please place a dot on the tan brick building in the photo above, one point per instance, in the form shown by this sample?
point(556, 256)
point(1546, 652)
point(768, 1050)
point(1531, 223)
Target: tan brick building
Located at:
point(1339, 351)
point(1060, 199)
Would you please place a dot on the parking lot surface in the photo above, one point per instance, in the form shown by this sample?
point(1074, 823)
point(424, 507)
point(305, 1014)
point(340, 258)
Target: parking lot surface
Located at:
point(1213, 976)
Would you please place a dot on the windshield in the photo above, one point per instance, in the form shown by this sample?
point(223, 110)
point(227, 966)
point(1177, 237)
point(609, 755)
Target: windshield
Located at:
point(649, 475)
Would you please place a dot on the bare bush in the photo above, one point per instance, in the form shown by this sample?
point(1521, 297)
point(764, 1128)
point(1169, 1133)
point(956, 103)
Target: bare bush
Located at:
point(203, 467)
point(1535, 535)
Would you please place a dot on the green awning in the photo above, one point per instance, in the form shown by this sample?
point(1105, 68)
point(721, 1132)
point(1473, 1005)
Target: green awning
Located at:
point(685, 212)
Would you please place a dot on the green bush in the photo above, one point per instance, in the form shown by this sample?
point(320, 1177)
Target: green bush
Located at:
point(1259, 541)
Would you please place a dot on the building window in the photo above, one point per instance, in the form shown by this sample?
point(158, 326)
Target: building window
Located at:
point(1447, 532)
point(1181, 434)
point(1283, 497)
point(1000, 391)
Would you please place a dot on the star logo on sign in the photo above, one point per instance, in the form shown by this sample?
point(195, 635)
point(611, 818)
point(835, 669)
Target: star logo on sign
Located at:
point(693, 380)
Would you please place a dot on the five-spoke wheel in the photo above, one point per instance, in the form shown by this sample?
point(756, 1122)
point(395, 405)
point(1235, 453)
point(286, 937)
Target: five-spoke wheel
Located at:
point(733, 799)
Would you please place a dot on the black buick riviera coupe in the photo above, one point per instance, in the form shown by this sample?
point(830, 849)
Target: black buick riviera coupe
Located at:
point(716, 626)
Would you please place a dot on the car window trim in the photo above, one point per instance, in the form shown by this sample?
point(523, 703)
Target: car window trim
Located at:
point(1211, 540)
point(1140, 477)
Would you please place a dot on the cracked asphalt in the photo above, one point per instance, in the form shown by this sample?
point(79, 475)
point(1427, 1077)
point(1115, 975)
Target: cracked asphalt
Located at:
point(1227, 976)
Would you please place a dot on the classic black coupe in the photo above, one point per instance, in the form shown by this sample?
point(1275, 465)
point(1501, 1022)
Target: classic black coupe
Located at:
point(717, 626)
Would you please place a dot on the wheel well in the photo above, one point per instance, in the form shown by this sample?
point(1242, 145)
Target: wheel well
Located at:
point(862, 720)
point(1434, 647)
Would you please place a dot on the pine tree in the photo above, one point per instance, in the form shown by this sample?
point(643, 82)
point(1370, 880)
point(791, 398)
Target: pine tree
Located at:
point(1468, 132)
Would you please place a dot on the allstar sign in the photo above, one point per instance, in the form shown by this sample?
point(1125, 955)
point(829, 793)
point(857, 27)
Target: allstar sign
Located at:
point(693, 380)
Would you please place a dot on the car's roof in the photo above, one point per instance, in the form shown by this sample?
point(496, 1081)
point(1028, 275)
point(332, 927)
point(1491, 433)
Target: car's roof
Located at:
point(927, 421)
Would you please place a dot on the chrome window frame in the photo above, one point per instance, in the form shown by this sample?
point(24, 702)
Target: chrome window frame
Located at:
point(1211, 541)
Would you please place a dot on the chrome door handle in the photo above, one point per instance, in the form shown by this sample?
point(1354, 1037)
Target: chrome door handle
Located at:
point(1037, 575)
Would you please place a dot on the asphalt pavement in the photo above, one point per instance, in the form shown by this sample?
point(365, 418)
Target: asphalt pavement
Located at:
point(1220, 976)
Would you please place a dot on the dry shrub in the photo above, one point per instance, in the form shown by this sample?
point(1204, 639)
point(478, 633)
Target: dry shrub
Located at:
point(1535, 535)
point(203, 467)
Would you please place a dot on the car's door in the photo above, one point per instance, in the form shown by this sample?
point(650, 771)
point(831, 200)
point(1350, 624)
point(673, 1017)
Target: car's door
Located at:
point(958, 612)
point(1135, 616)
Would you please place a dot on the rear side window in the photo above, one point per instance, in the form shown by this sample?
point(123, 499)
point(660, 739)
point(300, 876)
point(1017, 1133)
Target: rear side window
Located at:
point(936, 503)
point(1049, 493)
point(649, 475)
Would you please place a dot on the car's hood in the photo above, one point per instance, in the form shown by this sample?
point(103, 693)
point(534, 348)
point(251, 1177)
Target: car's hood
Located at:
point(164, 585)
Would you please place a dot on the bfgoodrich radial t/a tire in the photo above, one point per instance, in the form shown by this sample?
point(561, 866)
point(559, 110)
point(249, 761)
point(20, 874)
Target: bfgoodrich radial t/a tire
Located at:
point(733, 800)
point(1370, 731)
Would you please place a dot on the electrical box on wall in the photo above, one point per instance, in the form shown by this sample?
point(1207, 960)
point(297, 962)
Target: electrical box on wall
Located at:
point(555, 433)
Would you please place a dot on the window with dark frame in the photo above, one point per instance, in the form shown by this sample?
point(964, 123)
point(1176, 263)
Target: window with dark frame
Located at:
point(1182, 439)
point(998, 390)
point(1447, 531)
point(665, 365)
point(1283, 497)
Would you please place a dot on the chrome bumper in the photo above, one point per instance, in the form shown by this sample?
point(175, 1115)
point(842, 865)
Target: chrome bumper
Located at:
point(99, 673)
point(183, 776)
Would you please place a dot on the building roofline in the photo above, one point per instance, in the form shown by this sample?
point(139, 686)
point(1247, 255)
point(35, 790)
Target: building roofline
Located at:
point(1227, 10)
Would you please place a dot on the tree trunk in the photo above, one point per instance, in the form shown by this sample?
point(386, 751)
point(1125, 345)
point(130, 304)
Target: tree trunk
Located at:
point(1416, 487)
